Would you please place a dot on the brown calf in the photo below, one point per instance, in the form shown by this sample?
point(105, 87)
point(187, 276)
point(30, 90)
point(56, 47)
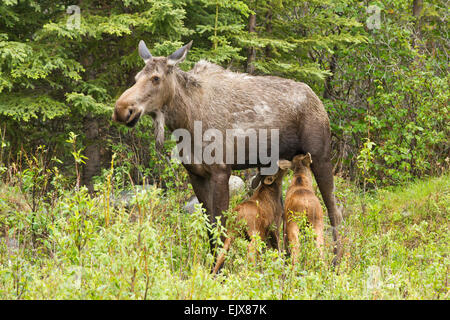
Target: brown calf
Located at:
point(301, 199)
point(261, 211)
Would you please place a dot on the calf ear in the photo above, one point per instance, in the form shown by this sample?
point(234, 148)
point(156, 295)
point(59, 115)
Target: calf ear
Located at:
point(256, 181)
point(307, 160)
point(269, 180)
point(144, 53)
point(179, 55)
point(284, 164)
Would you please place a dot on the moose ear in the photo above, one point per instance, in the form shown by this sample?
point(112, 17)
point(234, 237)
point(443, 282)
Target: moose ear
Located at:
point(284, 164)
point(307, 160)
point(179, 55)
point(144, 53)
point(269, 180)
point(256, 181)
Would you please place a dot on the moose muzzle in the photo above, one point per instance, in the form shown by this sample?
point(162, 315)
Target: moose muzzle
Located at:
point(126, 114)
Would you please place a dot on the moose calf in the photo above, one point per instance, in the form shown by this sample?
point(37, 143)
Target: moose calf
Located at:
point(301, 199)
point(261, 211)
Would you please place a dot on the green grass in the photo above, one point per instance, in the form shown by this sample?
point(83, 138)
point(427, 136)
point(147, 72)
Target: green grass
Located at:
point(396, 245)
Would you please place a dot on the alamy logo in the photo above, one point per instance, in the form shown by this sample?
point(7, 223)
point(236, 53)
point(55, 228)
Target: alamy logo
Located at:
point(235, 146)
point(74, 20)
point(374, 20)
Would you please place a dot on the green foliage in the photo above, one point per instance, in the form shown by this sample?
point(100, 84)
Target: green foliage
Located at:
point(26, 107)
point(154, 250)
point(414, 128)
point(53, 74)
point(389, 84)
point(365, 159)
point(300, 36)
point(394, 93)
point(386, 92)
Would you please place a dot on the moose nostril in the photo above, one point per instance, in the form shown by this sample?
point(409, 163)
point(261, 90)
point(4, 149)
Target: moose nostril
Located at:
point(129, 113)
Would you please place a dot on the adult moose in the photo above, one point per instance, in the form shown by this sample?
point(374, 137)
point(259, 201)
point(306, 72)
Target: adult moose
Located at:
point(221, 99)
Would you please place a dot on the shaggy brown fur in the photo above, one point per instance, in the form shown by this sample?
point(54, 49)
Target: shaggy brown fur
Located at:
point(222, 99)
point(262, 211)
point(301, 199)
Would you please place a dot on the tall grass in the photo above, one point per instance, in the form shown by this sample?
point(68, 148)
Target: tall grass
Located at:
point(77, 246)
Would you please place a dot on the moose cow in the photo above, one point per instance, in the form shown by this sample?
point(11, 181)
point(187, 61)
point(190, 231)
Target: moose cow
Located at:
point(221, 99)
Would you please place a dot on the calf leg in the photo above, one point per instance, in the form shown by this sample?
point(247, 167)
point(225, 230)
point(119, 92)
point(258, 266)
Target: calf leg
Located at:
point(319, 238)
point(292, 231)
point(251, 249)
point(317, 223)
point(274, 239)
point(221, 257)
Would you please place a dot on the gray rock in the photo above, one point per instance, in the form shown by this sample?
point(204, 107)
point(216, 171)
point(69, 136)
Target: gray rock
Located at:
point(127, 197)
point(236, 185)
point(11, 244)
point(189, 207)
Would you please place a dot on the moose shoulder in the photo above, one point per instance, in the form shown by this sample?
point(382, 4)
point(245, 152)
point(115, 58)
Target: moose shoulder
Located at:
point(220, 100)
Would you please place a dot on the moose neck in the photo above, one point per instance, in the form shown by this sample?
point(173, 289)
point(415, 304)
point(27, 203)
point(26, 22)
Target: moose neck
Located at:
point(180, 112)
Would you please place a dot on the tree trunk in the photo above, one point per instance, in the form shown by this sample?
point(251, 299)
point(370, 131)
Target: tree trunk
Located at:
point(417, 7)
point(251, 53)
point(268, 31)
point(329, 92)
point(92, 152)
point(417, 11)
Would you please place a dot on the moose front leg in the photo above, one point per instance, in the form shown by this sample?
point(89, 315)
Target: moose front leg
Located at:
point(220, 196)
point(211, 188)
point(201, 186)
point(212, 191)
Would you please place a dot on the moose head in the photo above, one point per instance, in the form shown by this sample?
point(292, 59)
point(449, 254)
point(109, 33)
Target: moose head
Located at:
point(154, 87)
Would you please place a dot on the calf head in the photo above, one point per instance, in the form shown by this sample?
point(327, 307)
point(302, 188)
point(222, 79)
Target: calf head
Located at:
point(300, 164)
point(272, 180)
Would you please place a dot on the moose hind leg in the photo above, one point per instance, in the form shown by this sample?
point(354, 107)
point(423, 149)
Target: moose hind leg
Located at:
point(323, 172)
